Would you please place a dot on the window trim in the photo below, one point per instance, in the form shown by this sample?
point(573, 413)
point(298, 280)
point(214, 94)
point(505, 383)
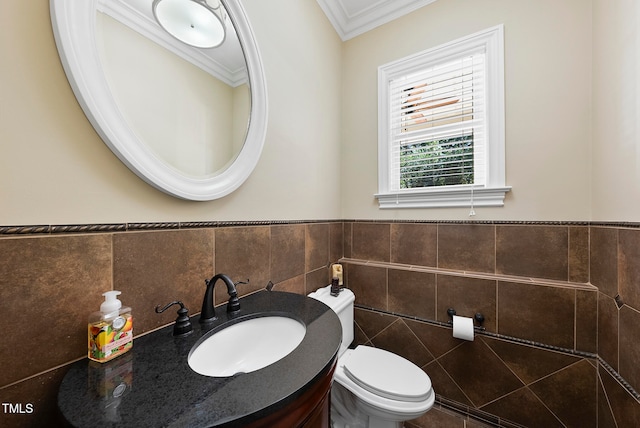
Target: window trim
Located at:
point(493, 192)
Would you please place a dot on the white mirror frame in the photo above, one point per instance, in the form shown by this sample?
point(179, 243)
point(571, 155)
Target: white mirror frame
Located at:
point(74, 28)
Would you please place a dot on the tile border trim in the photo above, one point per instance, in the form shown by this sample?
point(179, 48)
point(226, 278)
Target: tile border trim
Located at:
point(626, 385)
point(125, 227)
point(136, 227)
point(472, 274)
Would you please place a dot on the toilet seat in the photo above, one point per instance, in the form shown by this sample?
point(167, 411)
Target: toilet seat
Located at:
point(387, 375)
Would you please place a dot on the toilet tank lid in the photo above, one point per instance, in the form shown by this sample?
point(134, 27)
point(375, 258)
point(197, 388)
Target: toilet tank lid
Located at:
point(387, 374)
point(337, 303)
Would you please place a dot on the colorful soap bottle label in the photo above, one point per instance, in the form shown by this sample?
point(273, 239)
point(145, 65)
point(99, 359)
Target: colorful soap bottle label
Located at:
point(110, 339)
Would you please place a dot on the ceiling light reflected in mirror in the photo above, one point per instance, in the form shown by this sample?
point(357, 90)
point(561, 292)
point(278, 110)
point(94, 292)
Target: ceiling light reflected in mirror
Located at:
point(197, 23)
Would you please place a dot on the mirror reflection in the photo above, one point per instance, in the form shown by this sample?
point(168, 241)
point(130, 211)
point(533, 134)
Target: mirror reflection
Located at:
point(189, 106)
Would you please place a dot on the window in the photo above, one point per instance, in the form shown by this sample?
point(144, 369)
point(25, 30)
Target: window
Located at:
point(441, 126)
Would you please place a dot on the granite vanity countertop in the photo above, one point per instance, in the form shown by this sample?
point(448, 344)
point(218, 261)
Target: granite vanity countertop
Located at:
point(153, 386)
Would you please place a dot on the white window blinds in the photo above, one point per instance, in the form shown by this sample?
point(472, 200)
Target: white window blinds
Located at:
point(441, 135)
point(437, 124)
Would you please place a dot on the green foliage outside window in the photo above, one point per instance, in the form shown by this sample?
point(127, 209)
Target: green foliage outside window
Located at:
point(443, 162)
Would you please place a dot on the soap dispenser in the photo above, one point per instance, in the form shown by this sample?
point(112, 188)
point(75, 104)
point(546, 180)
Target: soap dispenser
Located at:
point(110, 329)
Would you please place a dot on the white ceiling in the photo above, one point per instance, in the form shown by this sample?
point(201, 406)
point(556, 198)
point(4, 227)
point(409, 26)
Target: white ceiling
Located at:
point(351, 18)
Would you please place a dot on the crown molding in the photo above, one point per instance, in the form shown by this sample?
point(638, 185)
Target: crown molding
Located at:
point(350, 19)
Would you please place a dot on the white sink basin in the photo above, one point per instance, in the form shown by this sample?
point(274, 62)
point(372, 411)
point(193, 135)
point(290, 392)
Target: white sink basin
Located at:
point(247, 346)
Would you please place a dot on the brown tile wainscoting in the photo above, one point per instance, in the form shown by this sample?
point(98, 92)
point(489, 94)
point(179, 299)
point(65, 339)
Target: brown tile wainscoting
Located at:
point(52, 278)
point(540, 288)
point(560, 301)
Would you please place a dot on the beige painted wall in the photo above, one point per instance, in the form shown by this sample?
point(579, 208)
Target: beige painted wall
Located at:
point(54, 169)
point(572, 87)
point(548, 104)
point(616, 118)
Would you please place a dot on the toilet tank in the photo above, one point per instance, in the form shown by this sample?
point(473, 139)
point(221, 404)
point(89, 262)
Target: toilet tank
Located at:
point(342, 305)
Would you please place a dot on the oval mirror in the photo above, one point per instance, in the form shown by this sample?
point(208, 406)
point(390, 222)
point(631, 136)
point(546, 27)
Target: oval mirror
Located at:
point(189, 121)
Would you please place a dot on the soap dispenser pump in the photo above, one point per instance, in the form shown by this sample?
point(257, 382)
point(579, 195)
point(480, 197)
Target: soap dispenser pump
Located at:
point(110, 329)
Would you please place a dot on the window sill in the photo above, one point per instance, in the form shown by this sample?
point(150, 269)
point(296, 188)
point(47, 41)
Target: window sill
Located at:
point(443, 198)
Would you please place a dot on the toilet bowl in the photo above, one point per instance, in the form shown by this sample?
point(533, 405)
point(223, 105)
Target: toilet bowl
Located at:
point(373, 388)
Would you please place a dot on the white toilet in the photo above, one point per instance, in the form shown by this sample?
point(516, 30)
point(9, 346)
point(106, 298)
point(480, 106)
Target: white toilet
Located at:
point(373, 388)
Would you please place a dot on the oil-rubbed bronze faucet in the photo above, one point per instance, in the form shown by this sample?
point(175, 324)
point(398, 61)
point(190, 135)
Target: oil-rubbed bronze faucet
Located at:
point(208, 311)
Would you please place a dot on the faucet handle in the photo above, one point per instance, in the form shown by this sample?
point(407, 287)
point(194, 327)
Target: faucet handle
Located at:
point(182, 326)
point(234, 303)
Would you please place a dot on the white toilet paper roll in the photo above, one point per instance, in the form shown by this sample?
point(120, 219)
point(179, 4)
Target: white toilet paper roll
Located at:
point(463, 328)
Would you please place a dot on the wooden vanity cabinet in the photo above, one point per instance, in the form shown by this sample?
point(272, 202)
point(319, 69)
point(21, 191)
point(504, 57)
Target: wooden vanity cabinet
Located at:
point(311, 410)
